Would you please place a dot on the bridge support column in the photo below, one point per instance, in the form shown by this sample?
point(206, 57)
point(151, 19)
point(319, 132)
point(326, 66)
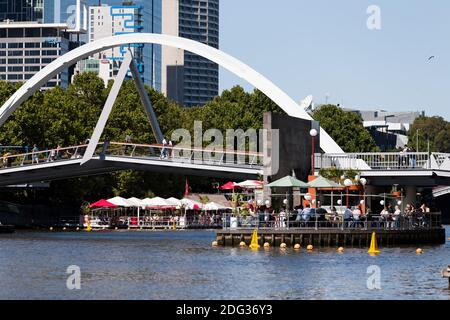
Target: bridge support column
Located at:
point(411, 195)
point(93, 142)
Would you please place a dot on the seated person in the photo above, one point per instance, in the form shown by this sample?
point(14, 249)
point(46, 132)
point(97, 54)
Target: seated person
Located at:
point(348, 214)
point(307, 213)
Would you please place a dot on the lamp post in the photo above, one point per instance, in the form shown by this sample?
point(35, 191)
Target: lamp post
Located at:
point(417, 140)
point(363, 182)
point(313, 133)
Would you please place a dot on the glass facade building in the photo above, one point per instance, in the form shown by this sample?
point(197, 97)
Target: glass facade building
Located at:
point(187, 78)
point(21, 10)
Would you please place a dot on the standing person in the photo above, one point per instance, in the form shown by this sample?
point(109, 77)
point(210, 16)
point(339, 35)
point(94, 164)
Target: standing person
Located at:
point(170, 149)
point(128, 142)
point(58, 152)
point(396, 217)
point(34, 155)
point(164, 149)
point(356, 216)
point(52, 155)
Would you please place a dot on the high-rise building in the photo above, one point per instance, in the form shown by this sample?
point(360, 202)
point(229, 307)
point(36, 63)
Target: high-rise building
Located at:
point(21, 10)
point(188, 78)
point(27, 47)
point(121, 17)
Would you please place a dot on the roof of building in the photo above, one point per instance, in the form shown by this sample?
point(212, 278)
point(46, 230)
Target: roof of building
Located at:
point(8, 25)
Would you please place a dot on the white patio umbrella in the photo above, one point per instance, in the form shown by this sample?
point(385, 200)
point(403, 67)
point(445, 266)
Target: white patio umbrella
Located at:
point(120, 202)
point(250, 184)
point(213, 206)
point(137, 203)
point(174, 201)
point(156, 202)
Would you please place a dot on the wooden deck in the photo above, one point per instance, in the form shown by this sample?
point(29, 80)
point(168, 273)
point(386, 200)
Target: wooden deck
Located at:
point(332, 237)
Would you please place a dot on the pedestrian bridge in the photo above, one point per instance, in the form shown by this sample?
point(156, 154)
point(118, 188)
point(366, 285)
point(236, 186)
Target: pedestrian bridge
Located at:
point(67, 162)
point(415, 168)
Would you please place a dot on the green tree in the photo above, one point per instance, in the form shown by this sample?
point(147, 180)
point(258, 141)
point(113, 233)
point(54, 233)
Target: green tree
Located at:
point(346, 128)
point(433, 129)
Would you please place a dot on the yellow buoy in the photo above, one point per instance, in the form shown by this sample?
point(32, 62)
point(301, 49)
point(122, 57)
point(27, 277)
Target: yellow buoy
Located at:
point(174, 226)
point(283, 246)
point(297, 246)
point(254, 243)
point(215, 243)
point(242, 244)
point(89, 228)
point(419, 251)
point(309, 247)
point(373, 250)
point(340, 249)
point(266, 245)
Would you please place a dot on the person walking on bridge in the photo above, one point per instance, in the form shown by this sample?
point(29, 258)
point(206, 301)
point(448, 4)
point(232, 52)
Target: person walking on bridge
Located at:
point(127, 143)
point(34, 154)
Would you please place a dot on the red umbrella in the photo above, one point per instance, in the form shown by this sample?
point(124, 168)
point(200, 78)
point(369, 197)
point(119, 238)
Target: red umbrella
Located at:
point(228, 186)
point(102, 203)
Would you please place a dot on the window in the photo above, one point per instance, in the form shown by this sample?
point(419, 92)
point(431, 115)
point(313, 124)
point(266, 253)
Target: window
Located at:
point(15, 61)
point(15, 53)
point(49, 32)
point(32, 68)
point(33, 33)
point(15, 45)
point(32, 45)
point(32, 53)
point(32, 60)
point(15, 76)
point(15, 33)
point(15, 69)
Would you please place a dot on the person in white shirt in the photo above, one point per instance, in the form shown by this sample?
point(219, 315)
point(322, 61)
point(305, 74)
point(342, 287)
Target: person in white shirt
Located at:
point(356, 216)
point(396, 216)
point(164, 149)
point(385, 216)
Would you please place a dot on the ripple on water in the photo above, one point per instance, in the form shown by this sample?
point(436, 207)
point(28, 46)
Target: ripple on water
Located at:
point(183, 265)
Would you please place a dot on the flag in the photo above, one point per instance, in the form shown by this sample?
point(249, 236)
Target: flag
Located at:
point(186, 189)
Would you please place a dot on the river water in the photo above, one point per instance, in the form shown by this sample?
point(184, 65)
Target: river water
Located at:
point(183, 265)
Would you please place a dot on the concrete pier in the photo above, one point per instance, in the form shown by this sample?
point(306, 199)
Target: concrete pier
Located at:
point(333, 237)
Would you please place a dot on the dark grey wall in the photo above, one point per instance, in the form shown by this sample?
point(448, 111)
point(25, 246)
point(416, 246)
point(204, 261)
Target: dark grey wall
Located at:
point(294, 144)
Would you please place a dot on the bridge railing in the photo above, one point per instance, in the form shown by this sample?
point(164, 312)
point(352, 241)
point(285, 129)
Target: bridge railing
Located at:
point(43, 156)
point(186, 154)
point(441, 157)
point(374, 161)
point(133, 150)
point(432, 220)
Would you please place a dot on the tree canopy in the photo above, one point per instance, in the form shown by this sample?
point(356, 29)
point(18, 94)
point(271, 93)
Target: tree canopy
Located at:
point(346, 128)
point(433, 129)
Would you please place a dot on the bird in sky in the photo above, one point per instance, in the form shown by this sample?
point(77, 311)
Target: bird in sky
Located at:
point(431, 57)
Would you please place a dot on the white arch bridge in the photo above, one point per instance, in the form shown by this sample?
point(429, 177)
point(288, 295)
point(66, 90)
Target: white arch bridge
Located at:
point(98, 157)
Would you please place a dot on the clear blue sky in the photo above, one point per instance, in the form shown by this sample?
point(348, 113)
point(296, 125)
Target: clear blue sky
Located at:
point(324, 46)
